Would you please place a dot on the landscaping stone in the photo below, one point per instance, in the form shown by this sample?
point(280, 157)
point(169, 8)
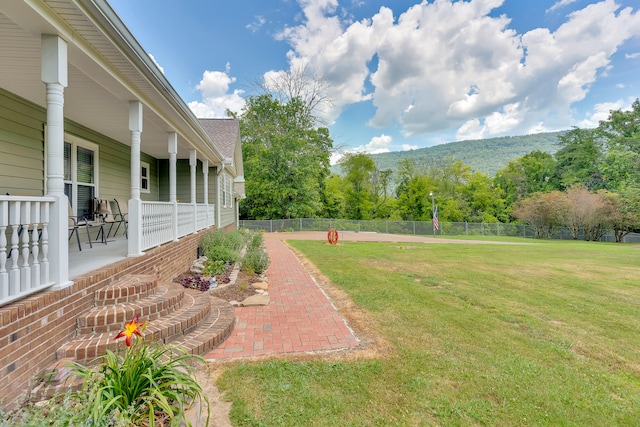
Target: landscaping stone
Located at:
point(197, 267)
point(255, 300)
point(260, 285)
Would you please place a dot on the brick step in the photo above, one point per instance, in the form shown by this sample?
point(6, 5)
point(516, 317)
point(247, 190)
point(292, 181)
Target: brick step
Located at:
point(216, 328)
point(127, 289)
point(111, 318)
point(194, 311)
point(206, 337)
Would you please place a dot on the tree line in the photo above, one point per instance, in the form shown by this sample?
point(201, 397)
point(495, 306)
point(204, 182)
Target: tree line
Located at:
point(590, 185)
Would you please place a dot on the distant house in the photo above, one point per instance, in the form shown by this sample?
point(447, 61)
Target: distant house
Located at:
point(87, 120)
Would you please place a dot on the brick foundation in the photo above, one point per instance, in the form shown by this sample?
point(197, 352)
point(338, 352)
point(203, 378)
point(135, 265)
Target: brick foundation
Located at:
point(33, 328)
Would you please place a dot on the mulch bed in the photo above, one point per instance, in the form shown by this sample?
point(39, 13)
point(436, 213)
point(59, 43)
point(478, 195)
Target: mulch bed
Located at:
point(237, 291)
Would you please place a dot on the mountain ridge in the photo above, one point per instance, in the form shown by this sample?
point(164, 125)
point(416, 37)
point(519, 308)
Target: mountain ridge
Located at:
point(487, 156)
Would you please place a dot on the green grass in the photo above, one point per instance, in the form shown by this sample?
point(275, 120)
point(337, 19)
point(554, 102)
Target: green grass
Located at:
point(542, 334)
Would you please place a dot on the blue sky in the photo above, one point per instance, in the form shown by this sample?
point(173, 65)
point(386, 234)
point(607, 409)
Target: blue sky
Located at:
point(405, 74)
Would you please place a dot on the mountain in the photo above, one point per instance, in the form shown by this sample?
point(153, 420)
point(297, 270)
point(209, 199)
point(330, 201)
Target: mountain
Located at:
point(483, 155)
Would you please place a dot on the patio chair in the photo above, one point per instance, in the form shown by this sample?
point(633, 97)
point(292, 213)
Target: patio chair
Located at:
point(77, 222)
point(111, 217)
point(120, 209)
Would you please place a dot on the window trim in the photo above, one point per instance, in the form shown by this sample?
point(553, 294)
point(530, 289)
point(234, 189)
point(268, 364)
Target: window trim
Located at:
point(223, 183)
point(76, 142)
point(142, 178)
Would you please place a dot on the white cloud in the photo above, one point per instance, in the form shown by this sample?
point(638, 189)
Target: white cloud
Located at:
point(447, 65)
point(601, 112)
point(258, 22)
point(216, 99)
point(561, 3)
point(157, 64)
point(632, 55)
point(407, 147)
point(377, 145)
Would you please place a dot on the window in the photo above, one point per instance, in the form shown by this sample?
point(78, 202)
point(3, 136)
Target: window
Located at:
point(230, 192)
point(223, 184)
point(80, 174)
point(144, 177)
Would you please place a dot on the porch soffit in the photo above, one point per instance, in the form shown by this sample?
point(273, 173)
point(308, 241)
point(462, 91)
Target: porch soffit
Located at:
point(105, 73)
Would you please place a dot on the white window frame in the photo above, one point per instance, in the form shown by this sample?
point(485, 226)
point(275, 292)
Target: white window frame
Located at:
point(143, 166)
point(75, 143)
point(223, 180)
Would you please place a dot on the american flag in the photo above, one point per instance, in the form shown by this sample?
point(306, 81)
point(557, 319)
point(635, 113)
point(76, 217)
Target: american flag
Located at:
point(436, 225)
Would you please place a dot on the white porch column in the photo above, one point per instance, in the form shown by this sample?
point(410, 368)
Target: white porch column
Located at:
point(135, 203)
point(205, 176)
point(205, 186)
point(173, 161)
point(219, 194)
point(193, 162)
point(54, 75)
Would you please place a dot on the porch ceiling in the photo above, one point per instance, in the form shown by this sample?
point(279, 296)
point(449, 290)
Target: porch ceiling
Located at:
point(107, 69)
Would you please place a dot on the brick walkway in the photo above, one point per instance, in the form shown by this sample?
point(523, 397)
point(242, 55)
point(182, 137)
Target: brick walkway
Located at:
point(299, 317)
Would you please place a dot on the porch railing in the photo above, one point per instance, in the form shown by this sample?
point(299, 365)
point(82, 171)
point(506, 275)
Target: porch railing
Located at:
point(158, 221)
point(24, 246)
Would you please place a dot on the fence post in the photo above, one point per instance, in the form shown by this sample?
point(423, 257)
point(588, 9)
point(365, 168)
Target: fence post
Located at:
point(271, 226)
point(466, 228)
point(300, 224)
point(498, 227)
point(387, 224)
point(414, 227)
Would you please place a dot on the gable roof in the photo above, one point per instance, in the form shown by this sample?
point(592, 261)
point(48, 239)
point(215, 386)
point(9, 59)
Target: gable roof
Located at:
point(225, 133)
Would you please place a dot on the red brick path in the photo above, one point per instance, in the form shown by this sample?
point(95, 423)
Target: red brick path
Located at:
point(299, 317)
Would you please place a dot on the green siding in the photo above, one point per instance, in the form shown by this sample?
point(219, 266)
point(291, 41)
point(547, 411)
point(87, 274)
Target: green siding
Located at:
point(21, 146)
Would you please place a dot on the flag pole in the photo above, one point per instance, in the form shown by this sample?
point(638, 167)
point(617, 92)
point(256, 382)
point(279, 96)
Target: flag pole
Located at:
point(433, 212)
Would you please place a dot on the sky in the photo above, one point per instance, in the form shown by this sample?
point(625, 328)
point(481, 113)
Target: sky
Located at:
point(404, 74)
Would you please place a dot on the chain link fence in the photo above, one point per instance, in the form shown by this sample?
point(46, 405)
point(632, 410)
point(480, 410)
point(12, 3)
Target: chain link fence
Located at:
point(421, 228)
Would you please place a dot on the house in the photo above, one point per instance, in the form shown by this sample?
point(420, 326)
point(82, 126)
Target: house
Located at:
point(86, 115)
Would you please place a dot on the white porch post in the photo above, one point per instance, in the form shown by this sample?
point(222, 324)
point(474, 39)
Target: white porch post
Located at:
point(205, 179)
point(205, 176)
point(193, 162)
point(135, 203)
point(218, 193)
point(173, 160)
point(54, 75)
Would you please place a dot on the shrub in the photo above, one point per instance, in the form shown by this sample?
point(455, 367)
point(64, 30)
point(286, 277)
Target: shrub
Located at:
point(214, 267)
point(219, 245)
point(221, 253)
point(255, 240)
point(255, 260)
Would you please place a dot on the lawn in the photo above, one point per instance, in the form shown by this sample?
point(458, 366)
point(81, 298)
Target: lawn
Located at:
point(531, 334)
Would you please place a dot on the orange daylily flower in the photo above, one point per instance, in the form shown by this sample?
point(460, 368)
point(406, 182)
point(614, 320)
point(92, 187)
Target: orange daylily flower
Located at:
point(131, 328)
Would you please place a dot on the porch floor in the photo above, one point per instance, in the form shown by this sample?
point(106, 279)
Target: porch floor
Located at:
point(89, 259)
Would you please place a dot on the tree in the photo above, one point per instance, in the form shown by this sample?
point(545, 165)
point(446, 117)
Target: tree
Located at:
point(286, 159)
point(622, 129)
point(587, 212)
point(624, 215)
point(532, 173)
point(358, 169)
point(543, 211)
point(334, 197)
point(579, 159)
point(300, 83)
point(485, 201)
